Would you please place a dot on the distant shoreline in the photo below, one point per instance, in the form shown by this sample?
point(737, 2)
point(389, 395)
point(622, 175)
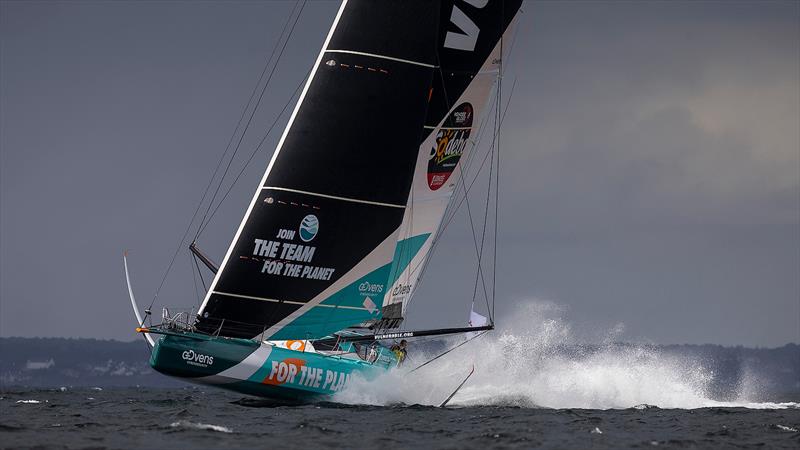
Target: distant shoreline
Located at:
point(51, 363)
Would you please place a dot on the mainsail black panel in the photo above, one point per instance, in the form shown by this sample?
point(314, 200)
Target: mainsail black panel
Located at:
point(351, 137)
point(275, 268)
point(479, 24)
point(335, 192)
point(382, 27)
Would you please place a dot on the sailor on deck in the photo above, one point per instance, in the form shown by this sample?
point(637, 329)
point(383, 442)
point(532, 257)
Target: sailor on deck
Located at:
point(400, 351)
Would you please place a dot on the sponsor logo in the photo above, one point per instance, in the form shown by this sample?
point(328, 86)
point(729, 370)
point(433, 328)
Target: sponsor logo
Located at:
point(294, 371)
point(370, 288)
point(451, 141)
point(309, 228)
point(298, 346)
point(403, 334)
point(197, 359)
point(285, 234)
point(467, 36)
point(281, 257)
point(285, 371)
point(401, 289)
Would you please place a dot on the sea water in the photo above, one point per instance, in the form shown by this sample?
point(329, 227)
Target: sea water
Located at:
point(534, 385)
point(198, 418)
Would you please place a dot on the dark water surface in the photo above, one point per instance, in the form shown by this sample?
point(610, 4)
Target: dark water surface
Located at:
point(200, 418)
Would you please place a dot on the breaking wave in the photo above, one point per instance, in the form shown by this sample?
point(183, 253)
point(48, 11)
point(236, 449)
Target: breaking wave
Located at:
point(185, 424)
point(533, 360)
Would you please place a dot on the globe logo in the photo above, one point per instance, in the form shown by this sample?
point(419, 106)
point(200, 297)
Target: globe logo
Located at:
point(309, 227)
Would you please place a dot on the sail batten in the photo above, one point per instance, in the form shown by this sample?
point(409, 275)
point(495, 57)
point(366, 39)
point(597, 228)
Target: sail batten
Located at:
point(288, 302)
point(390, 58)
point(317, 194)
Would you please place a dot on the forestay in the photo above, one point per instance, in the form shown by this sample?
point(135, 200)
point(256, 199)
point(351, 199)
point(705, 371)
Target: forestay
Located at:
point(469, 52)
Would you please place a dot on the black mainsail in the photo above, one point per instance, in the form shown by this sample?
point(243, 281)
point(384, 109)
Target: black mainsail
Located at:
point(312, 253)
point(328, 237)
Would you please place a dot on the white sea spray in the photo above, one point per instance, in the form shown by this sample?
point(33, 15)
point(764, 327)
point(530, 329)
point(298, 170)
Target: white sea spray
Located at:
point(534, 360)
point(200, 426)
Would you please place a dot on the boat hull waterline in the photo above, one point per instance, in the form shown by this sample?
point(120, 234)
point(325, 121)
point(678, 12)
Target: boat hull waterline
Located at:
point(264, 370)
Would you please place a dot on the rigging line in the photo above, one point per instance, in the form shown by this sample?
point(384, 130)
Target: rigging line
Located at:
point(483, 238)
point(513, 38)
point(510, 51)
point(497, 172)
point(474, 179)
point(450, 210)
point(244, 111)
point(462, 175)
point(480, 168)
point(469, 210)
point(439, 228)
point(447, 351)
point(194, 276)
point(442, 227)
point(406, 250)
point(476, 147)
point(494, 99)
point(200, 272)
point(477, 141)
point(205, 193)
point(410, 233)
point(423, 265)
point(425, 260)
point(257, 148)
point(253, 112)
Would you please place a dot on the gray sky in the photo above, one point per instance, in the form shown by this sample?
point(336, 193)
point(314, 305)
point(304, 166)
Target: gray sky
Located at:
point(650, 175)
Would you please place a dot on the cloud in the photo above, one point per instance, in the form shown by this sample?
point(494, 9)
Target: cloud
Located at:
point(681, 119)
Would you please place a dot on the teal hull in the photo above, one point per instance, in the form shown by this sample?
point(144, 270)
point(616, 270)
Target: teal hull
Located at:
point(263, 370)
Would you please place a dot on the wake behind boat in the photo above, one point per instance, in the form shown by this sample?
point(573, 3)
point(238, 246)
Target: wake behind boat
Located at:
point(316, 282)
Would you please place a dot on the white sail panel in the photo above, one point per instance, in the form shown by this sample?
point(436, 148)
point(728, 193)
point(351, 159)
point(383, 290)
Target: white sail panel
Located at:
point(437, 176)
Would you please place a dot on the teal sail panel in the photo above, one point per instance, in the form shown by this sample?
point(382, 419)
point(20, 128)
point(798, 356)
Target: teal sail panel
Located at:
point(358, 302)
point(405, 251)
